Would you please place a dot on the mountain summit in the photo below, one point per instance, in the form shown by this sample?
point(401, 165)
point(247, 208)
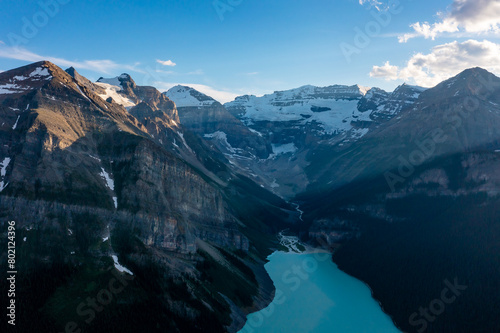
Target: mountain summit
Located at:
point(107, 172)
point(208, 118)
point(188, 97)
point(188, 194)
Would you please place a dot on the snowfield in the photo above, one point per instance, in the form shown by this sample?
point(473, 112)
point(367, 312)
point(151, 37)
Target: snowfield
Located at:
point(186, 97)
point(333, 108)
point(113, 91)
point(3, 171)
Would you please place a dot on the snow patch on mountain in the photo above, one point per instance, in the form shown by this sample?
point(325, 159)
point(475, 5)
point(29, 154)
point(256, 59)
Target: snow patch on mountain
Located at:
point(181, 135)
point(254, 131)
point(364, 90)
point(3, 171)
point(358, 133)
point(288, 148)
point(188, 97)
point(222, 137)
point(110, 183)
point(11, 88)
point(114, 81)
point(38, 74)
point(120, 267)
point(41, 73)
point(81, 92)
point(15, 125)
point(17, 84)
point(333, 114)
point(113, 91)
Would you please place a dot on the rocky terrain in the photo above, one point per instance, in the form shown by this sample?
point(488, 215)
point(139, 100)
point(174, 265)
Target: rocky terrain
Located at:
point(460, 114)
point(283, 130)
point(209, 119)
point(394, 182)
point(422, 193)
point(183, 197)
point(90, 183)
point(300, 122)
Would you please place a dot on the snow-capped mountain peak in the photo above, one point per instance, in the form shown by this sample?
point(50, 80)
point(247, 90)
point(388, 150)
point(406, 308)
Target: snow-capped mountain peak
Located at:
point(185, 96)
point(333, 108)
point(116, 81)
point(114, 88)
point(25, 78)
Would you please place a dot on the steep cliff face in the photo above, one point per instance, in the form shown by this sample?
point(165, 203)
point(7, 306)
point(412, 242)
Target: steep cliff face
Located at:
point(164, 188)
point(98, 180)
point(159, 116)
point(53, 136)
point(308, 125)
point(208, 118)
point(83, 150)
point(299, 128)
point(124, 89)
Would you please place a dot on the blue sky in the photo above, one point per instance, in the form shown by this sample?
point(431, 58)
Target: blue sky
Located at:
point(233, 47)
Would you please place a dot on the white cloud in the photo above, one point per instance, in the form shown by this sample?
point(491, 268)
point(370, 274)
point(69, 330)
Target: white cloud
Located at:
point(219, 95)
point(443, 62)
point(470, 16)
point(100, 66)
point(386, 72)
point(166, 62)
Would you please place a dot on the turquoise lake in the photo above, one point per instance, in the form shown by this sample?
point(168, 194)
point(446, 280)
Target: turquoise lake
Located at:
point(313, 295)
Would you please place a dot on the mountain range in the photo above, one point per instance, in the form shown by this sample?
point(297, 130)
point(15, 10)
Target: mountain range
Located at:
point(186, 195)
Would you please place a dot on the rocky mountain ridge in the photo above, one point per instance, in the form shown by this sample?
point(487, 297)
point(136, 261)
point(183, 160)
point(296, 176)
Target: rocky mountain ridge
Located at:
point(419, 188)
point(180, 194)
point(419, 191)
point(293, 124)
point(97, 180)
point(209, 119)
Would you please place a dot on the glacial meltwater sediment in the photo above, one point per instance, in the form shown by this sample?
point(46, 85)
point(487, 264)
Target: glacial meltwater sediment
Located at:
point(313, 295)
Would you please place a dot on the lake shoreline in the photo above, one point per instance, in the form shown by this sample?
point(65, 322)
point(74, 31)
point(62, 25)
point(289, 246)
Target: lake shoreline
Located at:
point(311, 277)
point(311, 250)
point(372, 294)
